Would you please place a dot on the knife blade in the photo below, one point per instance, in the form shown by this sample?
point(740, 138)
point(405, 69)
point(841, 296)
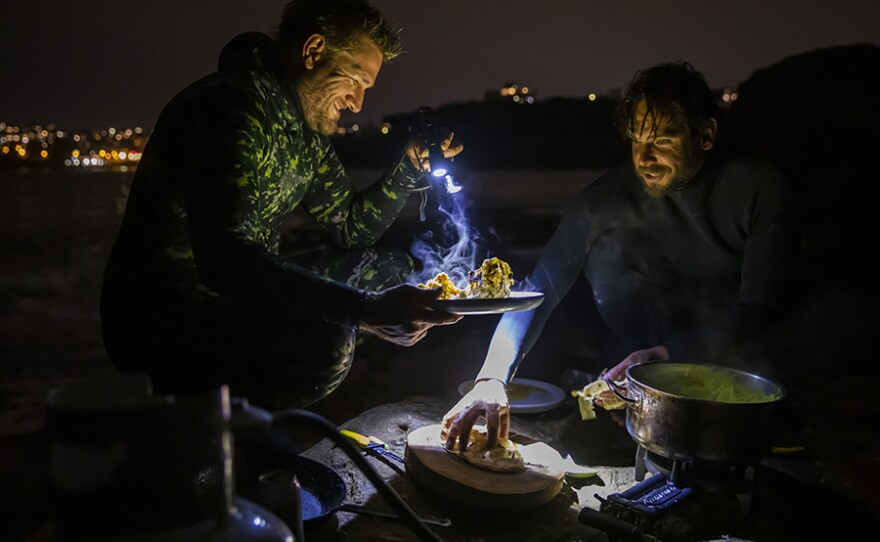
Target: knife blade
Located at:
point(371, 444)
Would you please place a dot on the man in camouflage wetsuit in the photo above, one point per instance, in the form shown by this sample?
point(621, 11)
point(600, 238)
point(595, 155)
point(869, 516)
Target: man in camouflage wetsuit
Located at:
point(195, 292)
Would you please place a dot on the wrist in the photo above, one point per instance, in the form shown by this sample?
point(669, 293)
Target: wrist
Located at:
point(406, 175)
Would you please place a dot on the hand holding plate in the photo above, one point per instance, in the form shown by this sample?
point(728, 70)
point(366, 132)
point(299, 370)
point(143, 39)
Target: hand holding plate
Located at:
point(403, 314)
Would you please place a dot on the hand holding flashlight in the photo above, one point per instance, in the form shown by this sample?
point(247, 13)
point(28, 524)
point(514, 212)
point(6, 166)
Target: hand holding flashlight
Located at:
point(432, 150)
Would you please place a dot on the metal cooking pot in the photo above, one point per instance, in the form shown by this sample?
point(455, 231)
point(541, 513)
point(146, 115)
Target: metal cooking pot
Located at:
point(687, 411)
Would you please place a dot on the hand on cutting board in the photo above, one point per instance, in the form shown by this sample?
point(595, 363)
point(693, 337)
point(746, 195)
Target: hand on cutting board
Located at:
point(417, 151)
point(403, 314)
point(488, 400)
point(618, 372)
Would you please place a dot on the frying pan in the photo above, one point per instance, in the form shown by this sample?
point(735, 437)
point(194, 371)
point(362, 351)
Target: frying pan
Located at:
point(322, 490)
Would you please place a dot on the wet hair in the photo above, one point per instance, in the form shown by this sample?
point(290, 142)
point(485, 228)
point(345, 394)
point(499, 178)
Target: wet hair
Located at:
point(675, 91)
point(341, 22)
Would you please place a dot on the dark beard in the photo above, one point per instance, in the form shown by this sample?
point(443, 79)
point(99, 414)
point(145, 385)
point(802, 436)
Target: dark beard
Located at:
point(653, 190)
point(692, 163)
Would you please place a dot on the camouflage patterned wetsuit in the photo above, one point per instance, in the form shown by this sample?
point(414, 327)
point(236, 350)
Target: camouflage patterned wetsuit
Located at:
point(195, 292)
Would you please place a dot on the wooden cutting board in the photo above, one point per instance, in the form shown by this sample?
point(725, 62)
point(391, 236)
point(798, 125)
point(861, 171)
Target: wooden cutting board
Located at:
point(454, 479)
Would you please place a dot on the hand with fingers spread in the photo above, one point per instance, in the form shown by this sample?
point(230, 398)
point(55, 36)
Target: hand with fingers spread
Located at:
point(403, 314)
point(417, 150)
point(487, 400)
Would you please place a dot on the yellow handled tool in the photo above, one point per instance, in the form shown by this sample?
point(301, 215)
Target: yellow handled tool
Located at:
point(371, 444)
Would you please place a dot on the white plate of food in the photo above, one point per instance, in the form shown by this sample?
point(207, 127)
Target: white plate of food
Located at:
point(518, 301)
point(527, 396)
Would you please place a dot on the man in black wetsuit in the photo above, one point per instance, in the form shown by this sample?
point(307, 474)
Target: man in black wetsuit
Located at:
point(195, 292)
point(685, 251)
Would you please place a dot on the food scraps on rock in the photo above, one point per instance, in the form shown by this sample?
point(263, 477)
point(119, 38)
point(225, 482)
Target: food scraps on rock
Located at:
point(598, 393)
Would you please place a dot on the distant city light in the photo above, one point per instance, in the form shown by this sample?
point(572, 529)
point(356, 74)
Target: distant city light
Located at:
point(729, 95)
point(591, 96)
point(37, 143)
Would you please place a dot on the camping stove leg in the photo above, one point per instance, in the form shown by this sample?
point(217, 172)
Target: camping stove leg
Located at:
point(641, 469)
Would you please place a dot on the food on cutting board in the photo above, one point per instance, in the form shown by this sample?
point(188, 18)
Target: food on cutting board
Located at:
point(493, 279)
point(504, 457)
point(598, 393)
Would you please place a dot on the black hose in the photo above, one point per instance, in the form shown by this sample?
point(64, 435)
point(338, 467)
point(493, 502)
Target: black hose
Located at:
point(323, 426)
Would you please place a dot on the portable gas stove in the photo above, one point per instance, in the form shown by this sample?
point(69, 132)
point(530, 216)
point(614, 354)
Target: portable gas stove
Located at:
point(712, 476)
point(677, 499)
point(645, 502)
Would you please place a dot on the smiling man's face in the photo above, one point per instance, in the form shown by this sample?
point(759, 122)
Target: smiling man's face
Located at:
point(665, 154)
point(338, 82)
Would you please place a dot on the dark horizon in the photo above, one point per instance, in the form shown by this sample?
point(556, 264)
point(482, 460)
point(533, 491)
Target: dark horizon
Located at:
point(96, 63)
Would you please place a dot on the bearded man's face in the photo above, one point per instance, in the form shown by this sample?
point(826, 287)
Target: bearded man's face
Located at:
point(665, 154)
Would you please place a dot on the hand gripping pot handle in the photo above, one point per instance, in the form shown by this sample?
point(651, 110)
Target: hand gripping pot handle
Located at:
point(620, 391)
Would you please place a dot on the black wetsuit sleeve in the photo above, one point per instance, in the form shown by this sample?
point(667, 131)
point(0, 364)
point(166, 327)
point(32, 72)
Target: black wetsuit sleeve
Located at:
point(555, 273)
point(223, 178)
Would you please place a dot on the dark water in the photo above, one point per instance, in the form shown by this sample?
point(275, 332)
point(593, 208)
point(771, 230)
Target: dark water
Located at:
point(55, 235)
point(56, 230)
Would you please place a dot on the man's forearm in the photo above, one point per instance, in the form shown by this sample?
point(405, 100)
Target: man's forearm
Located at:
point(506, 349)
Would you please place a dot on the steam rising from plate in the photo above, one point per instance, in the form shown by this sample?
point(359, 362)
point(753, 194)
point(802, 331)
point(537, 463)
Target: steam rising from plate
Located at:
point(453, 251)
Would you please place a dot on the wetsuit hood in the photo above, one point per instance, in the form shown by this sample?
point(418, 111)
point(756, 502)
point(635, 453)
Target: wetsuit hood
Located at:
point(257, 52)
point(250, 51)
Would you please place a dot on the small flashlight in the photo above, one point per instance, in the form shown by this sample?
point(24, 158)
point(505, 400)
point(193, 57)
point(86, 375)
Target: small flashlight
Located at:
point(438, 163)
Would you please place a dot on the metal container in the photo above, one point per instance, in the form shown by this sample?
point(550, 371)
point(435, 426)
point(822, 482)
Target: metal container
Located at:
point(128, 465)
point(686, 411)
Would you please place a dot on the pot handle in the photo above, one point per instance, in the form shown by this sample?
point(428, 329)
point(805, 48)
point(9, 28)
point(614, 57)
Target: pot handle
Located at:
point(620, 391)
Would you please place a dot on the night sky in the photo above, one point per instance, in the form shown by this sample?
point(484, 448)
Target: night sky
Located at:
point(111, 63)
